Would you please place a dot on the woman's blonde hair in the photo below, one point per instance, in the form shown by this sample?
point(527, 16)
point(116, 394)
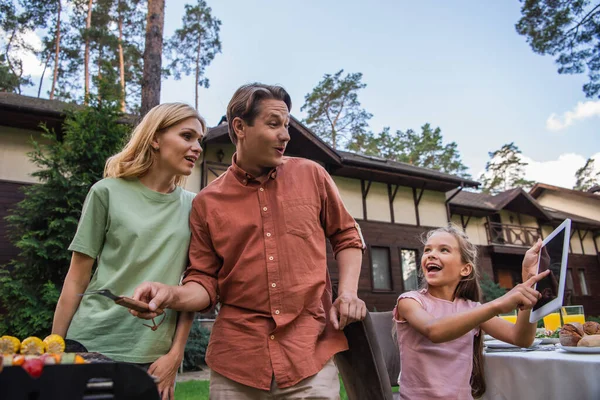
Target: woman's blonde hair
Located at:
point(137, 156)
point(468, 288)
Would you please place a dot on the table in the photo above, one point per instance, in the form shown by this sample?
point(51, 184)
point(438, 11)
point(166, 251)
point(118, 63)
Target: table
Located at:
point(542, 375)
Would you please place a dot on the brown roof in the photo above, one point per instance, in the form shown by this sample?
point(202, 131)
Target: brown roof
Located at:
point(343, 163)
point(539, 188)
point(516, 200)
point(582, 222)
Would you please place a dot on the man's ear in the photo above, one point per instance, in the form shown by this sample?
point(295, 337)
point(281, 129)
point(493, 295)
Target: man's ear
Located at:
point(466, 269)
point(239, 126)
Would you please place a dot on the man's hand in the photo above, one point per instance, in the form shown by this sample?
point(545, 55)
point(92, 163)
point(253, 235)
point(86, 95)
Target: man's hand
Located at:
point(156, 295)
point(347, 308)
point(165, 369)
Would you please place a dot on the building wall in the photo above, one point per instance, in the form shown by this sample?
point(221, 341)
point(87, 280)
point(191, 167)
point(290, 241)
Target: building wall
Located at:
point(14, 146)
point(432, 209)
point(378, 203)
point(475, 229)
point(578, 205)
point(404, 207)
point(350, 193)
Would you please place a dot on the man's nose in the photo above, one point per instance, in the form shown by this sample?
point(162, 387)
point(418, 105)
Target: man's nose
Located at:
point(284, 135)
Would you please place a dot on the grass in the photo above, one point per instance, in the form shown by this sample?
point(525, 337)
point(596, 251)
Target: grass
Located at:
point(198, 390)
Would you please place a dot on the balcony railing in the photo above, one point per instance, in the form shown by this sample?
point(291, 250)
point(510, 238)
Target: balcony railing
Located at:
point(511, 235)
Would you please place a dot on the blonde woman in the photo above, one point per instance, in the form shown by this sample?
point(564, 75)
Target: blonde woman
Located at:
point(135, 226)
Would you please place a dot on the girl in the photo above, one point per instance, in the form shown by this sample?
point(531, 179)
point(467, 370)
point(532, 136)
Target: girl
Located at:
point(438, 327)
point(134, 225)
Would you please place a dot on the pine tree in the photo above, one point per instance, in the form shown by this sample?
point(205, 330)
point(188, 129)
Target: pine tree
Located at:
point(586, 177)
point(44, 223)
point(505, 170)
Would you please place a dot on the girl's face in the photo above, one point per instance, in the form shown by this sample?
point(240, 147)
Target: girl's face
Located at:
point(179, 147)
point(441, 262)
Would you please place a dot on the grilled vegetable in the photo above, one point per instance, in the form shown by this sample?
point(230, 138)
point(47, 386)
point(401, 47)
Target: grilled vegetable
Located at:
point(33, 346)
point(55, 344)
point(9, 345)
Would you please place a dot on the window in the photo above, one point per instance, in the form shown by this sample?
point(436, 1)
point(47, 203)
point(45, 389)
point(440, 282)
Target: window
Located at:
point(380, 268)
point(505, 279)
point(583, 283)
point(410, 272)
point(570, 280)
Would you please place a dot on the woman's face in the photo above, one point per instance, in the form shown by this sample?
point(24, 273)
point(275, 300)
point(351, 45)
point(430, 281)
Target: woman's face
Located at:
point(178, 148)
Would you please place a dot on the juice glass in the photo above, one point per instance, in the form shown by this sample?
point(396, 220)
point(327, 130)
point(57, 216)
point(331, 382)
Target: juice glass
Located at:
point(552, 321)
point(510, 316)
point(573, 314)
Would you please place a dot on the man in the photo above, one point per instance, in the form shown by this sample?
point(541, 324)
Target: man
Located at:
point(258, 247)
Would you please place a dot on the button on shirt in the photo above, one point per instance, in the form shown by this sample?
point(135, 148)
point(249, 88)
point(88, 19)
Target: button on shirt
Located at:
point(262, 248)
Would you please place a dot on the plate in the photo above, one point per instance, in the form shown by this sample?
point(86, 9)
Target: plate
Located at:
point(549, 340)
point(487, 337)
point(581, 350)
point(499, 344)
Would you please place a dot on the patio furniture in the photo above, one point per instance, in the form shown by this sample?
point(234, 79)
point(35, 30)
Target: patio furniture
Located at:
point(542, 375)
point(371, 366)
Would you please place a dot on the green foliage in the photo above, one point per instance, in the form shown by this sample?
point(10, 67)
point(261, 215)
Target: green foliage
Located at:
point(333, 110)
point(505, 170)
point(44, 223)
point(490, 289)
point(568, 30)
point(195, 348)
point(586, 177)
point(197, 40)
point(425, 149)
point(593, 319)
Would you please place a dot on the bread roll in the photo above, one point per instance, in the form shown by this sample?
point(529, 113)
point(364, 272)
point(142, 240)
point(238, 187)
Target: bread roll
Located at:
point(591, 328)
point(571, 334)
point(589, 341)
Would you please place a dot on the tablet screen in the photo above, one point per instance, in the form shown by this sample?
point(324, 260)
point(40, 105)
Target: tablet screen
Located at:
point(551, 256)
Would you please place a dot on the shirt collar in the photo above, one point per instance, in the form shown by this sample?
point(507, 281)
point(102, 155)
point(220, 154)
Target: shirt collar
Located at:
point(242, 176)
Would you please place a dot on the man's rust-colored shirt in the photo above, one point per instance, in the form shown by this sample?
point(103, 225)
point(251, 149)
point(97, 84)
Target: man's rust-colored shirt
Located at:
point(259, 250)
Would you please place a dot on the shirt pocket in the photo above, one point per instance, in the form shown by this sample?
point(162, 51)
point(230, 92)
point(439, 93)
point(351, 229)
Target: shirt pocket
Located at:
point(301, 217)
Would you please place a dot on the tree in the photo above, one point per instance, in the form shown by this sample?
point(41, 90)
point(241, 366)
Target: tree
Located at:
point(333, 110)
point(490, 290)
point(153, 55)
point(568, 30)
point(586, 177)
point(425, 149)
point(14, 24)
point(198, 40)
point(505, 170)
point(44, 223)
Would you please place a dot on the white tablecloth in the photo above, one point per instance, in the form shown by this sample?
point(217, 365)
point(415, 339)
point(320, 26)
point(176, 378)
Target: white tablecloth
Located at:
point(542, 375)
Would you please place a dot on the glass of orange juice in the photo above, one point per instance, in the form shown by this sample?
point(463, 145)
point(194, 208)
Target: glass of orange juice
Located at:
point(552, 321)
point(573, 314)
point(510, 316)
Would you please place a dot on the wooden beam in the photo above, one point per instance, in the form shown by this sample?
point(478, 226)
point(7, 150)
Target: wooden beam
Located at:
point(365, 192)
point(463, 223)
point(581, 238)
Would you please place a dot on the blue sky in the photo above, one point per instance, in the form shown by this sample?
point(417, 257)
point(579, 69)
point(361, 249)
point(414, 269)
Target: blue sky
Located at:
point(458, 65)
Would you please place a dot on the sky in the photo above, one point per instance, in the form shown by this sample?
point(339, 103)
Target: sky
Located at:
point(458, 65)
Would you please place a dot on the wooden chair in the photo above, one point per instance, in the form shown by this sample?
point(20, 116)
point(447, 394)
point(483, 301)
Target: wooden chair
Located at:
point(371, 366)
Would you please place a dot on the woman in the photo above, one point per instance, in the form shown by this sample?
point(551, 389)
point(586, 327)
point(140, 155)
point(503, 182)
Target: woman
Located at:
point(134, 224)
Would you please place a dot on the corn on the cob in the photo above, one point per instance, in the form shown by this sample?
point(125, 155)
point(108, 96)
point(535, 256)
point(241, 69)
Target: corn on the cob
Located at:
point(55, 344)
point(9, 345)
point(32, 346)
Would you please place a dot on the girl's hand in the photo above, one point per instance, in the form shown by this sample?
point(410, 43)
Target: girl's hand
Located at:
point(530, 261)
point(522, 296)
point(165, 369)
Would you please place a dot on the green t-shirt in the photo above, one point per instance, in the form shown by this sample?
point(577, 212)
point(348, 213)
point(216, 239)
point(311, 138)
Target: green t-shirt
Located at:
point(137, 235)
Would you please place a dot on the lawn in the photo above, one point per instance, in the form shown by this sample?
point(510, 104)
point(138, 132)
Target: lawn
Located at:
point(198, 390)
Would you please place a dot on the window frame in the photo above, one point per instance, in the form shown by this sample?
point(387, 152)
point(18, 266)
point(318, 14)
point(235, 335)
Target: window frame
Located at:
point(389, 254)
point(418, 265)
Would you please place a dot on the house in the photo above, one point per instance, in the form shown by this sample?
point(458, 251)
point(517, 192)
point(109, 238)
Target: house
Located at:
point(393, 202)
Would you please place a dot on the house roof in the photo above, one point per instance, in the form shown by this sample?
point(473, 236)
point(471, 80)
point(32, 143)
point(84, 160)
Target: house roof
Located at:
point(539, 188)
point(581, 222)
point(28, 112)
point(481, 204)
point(305, 143)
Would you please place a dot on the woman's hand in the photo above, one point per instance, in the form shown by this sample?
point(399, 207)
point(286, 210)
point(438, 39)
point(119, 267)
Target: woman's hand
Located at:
point(522, 296)
point(165, 369)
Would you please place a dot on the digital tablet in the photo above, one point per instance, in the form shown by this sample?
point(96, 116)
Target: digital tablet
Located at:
point(553, 256)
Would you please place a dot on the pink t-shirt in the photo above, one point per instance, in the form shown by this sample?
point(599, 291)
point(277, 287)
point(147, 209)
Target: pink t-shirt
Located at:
point(435, 370)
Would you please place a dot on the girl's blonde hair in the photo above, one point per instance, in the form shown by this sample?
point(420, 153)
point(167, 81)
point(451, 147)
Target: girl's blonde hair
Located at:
point(468, 288)
point(137, 156)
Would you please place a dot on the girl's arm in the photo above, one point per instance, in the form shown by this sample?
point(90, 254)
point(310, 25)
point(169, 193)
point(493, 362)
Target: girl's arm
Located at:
point(520, 334)
point(451, 327)
point(76, 282)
